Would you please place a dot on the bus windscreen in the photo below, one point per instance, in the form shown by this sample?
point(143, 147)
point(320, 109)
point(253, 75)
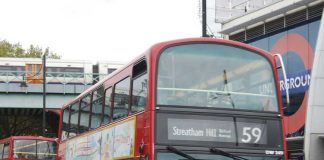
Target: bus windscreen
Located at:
point(34, 149)
point(215, 75)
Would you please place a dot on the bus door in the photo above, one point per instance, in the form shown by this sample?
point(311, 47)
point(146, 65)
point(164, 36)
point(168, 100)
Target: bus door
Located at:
point(34, 73)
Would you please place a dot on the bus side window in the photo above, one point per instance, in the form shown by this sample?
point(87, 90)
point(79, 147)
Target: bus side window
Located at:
point(139, 93)
point(5, 155)
point(1, 150)
point(74, 119)
point(65, 124)
point(107, 107)
point(96, 112)
point(121, 97)
point(85, 113)
point(139, 87)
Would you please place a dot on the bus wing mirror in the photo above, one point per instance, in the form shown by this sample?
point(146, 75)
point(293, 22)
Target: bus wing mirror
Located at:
point(282, 66)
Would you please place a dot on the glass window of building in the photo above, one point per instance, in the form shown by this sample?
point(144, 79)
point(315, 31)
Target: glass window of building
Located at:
point(110, 70)
point(12, 70)
point(67, 72)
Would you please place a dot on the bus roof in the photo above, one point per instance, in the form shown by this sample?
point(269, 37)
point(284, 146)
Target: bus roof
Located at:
point(27, 138)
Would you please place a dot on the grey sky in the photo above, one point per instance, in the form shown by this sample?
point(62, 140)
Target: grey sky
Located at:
point(110, 30)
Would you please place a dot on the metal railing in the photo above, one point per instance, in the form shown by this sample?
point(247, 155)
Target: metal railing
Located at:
point(57, 82)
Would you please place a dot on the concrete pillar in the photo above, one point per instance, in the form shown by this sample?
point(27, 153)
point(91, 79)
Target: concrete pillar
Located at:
point(314, 127)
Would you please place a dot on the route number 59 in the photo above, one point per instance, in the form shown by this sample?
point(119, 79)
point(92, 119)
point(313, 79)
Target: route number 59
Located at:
point(250, 134)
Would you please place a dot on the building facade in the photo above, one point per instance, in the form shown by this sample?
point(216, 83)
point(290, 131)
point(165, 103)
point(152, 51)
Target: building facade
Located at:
point(290, 28)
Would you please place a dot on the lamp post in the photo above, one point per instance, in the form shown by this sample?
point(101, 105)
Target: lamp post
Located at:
point(44, 94)
point(204, 18)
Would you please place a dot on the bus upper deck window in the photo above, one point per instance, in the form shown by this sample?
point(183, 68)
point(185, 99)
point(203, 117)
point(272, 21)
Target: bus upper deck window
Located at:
point(65, 124)
point(107, 107)
point(121, 98)
point(96, 112)
point(139, 90)
point(85, 113)
point(74, 120)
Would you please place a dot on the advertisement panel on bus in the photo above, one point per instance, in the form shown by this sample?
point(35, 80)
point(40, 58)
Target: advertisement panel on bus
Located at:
point(112, 142)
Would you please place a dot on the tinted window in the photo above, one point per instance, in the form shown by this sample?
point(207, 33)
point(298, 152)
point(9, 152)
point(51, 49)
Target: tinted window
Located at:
point(121, 99)
point(110, 70)
point(65, 124)
point(76, 70)
point(97, 101)
point(29, 68)
point(38, 69)
point(139, 93)
point(107, 108)
point(65, 71)
point(74, 119)
point(217, 76)
point(12, 70)
point(85, 113)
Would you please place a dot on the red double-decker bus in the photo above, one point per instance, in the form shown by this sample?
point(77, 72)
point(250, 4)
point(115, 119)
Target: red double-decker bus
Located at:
point(28, 148)
point(198, 98)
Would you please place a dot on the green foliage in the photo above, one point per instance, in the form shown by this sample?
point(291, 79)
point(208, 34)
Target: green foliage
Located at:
point(15, 50)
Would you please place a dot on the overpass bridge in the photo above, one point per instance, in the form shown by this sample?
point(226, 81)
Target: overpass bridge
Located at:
point(16, 91)
point(21, 99)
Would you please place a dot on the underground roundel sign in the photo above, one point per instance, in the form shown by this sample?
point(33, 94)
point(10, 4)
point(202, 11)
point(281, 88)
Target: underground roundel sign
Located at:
point(298, 81)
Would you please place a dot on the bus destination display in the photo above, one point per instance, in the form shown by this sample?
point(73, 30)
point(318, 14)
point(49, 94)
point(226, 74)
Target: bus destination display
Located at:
point(217, 131)
point(180, 129)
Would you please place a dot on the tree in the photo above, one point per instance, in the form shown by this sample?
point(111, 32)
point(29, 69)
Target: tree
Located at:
point(24, 124)
point(15, 50)
point(19, 125)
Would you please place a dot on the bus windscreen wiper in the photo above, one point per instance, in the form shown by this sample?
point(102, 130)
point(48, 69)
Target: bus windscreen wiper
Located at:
point(180, 153)
point(226, 154)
